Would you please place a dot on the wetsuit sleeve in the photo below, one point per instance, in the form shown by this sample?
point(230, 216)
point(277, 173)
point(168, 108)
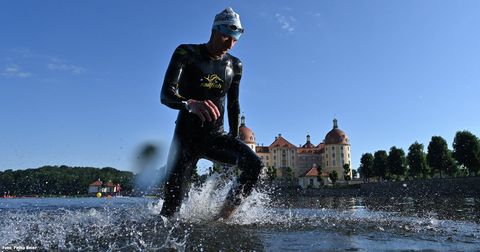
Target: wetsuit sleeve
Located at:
point(233, 105)
point(169, 94)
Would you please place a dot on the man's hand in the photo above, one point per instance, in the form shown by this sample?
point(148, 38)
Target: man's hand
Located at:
point(206, 110)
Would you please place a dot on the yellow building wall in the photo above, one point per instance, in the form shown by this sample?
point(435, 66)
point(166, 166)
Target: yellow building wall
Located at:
point(335, 157)
point(283, 157)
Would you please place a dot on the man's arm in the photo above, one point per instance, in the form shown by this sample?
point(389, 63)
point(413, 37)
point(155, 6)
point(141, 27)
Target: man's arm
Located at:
point(233, 105)
point(169, 95)
point(205, 110)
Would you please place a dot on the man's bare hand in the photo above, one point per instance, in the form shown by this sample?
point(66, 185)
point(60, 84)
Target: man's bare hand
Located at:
point(206, 110)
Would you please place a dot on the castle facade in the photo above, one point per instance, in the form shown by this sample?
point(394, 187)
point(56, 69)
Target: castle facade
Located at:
point(330, 155)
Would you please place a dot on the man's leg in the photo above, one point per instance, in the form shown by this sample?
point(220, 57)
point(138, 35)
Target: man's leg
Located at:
point(180, 164)
point(229, 150)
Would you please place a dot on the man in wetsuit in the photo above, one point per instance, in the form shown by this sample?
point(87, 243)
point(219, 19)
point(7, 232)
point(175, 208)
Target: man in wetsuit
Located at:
point(197, 81)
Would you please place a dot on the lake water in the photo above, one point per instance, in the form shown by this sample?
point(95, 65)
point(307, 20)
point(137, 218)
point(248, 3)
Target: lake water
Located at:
point(263, 223)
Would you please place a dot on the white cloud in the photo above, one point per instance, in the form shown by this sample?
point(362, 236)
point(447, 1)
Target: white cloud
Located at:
point(32, 60)
point(14, 71)
point(286, 22)
point(65, 67)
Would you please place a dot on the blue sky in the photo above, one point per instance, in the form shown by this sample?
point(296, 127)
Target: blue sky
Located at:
point(80, 80)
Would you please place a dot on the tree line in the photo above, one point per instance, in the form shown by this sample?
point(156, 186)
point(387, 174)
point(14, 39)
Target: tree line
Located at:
point(439, 160)
point(60, 180)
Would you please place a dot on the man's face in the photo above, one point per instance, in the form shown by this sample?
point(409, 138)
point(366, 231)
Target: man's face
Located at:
point(222, 43)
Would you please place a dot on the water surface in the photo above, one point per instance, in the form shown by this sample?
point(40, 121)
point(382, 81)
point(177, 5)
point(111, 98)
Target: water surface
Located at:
point(263, 223)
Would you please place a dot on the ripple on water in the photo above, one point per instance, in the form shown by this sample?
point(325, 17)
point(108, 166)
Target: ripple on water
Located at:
point(259, 224)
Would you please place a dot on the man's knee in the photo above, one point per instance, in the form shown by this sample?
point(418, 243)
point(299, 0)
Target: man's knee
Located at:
point(253, 166)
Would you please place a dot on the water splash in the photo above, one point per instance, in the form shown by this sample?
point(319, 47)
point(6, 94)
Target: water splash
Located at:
point(260, 223)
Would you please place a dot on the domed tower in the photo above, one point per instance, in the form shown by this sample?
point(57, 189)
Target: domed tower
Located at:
point(337, 151)
point(246, 135)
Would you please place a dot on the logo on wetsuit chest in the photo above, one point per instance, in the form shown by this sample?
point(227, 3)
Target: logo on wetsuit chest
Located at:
point(212, 81)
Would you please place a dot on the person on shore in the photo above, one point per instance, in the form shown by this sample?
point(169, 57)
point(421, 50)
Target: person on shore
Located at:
point(197, 81)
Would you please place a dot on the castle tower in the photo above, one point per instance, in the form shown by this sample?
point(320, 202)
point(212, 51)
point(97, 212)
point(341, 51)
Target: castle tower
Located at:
point(337, 151)
point(246, 134)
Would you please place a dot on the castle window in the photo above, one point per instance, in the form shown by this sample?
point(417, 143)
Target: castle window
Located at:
point(333, 162)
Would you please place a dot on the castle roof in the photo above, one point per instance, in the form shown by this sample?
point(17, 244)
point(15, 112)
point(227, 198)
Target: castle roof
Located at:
point(281, 142)
point(309, 150)
point(308, 145)
point(313, 172)
point(336, 135)
point(97, 183)
point(245, 133)
point(262, 149)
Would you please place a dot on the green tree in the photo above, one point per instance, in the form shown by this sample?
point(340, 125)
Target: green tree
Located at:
point(452, 166)
point(59, 180)
point(366, 166)
point(397, 162)
point(346, 172)
point(320, 174)
point(466, 149)
point(354, 173)
point(417, 161)
point(438, 155)
point(289, 174)
point(333, 175)
point(271, 173)
point(7, 182)
point(380, 166)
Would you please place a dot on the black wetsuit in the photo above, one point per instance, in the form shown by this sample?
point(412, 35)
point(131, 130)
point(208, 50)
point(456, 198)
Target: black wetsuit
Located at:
point(193, 74)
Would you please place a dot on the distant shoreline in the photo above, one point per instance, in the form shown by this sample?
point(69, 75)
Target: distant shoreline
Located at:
point(438, 187)
point(60, 196)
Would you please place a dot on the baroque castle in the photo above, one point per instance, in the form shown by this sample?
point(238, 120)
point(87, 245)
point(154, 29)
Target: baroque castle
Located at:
point(331, 154)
